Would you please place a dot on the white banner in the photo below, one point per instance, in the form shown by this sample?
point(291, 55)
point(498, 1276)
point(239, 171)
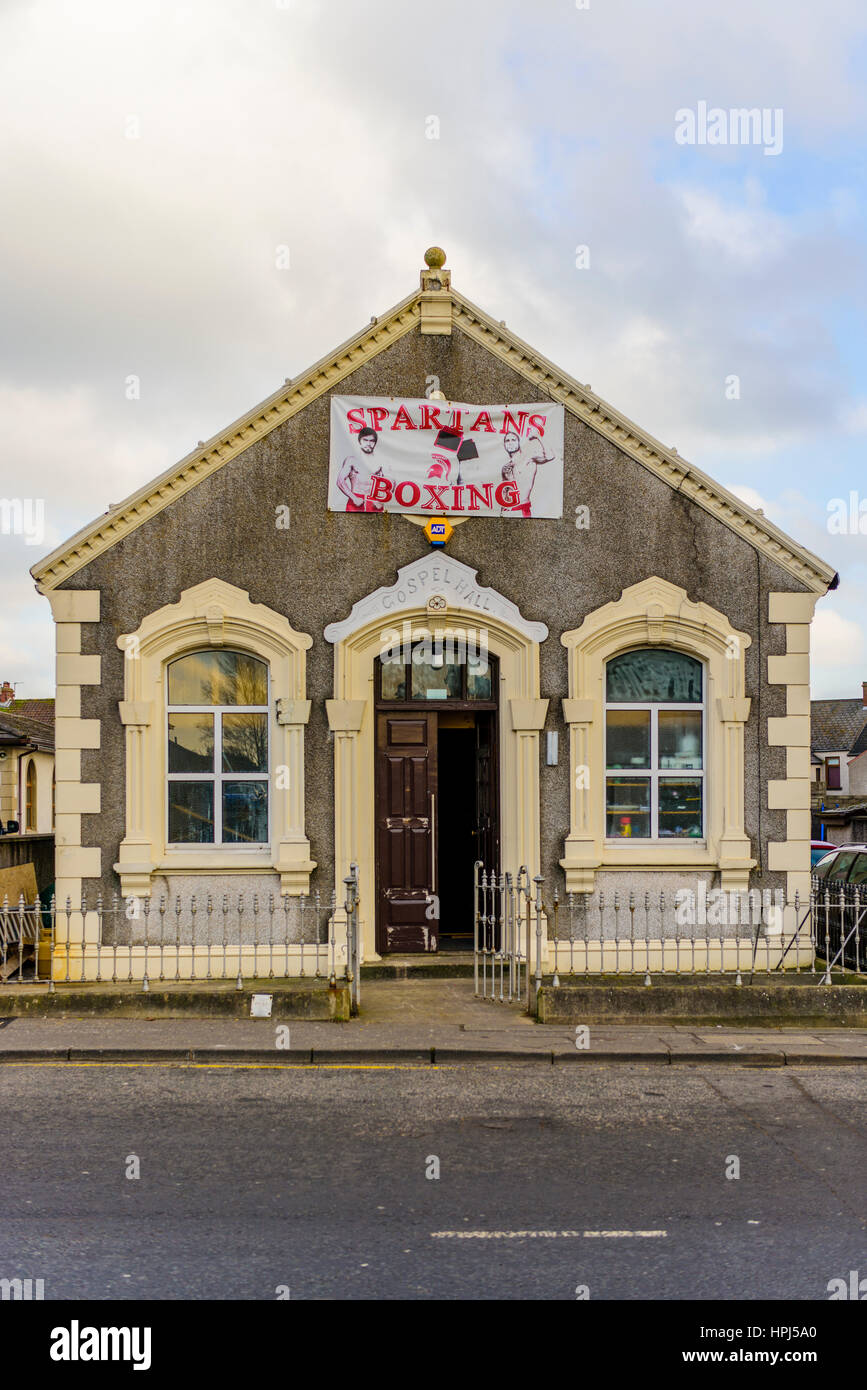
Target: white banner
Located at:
point(440, 458)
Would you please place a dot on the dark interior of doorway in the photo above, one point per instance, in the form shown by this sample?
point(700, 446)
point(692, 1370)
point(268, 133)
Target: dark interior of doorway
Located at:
point(456, 833)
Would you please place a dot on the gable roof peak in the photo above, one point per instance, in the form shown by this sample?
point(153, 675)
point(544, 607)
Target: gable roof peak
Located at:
point(434, 308)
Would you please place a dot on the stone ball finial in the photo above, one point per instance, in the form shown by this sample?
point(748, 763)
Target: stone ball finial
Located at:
point(435, 258)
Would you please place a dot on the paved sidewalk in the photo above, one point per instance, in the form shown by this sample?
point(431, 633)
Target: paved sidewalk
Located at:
point(416, 1022)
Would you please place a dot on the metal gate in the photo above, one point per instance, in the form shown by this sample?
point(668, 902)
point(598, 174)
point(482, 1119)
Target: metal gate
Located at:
point(507, 919)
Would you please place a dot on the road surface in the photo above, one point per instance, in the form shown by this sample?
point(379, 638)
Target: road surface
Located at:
point(314, 1182)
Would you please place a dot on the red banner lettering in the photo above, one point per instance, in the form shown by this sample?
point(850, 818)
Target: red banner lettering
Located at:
point(436, 503)
point(507, 495)
point(477, 495)
point(509, 426)
point(400, 493)
point(380, 490)
point(403, 420)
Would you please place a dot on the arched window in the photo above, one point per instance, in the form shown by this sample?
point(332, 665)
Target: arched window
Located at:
point(654, 746)
point(217, 736)
point(30, 796)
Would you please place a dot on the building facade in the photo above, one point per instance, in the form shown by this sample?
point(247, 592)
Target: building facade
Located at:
point(245, 701)
point(839, 757)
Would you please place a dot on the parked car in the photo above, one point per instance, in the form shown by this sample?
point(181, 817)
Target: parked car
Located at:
point(818, 850)
point(840, 888)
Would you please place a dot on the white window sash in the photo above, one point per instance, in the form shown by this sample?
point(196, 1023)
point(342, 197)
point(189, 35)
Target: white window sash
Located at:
point(217, 777)
point(653, 773)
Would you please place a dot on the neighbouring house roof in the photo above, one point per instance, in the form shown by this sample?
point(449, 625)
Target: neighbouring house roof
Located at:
point(33, 709)
point(860, 744)
point(20, 730)
point(454, 310)
point(841, 813)
point(836, 725)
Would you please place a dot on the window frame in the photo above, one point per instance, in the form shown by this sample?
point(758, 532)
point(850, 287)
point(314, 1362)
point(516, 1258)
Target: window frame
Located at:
point(454, 702)
point(653, 772)
point(217, 777)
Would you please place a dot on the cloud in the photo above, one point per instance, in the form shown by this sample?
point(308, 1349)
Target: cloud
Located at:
point(71, 456)
point(744, 232)
point(839, 650)
point(855, 417)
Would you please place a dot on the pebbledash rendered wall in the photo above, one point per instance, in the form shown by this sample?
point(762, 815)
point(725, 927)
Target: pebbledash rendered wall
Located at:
point(316, 570)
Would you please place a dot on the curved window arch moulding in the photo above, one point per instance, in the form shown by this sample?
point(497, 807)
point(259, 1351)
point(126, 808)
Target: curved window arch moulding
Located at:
point(657, 613)
point(211, 614)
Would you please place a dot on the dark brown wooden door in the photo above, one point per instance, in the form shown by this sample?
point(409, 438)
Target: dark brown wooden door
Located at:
point(406, 783)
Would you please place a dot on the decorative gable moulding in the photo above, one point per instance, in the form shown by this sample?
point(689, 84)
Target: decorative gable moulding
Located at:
point(435, 308)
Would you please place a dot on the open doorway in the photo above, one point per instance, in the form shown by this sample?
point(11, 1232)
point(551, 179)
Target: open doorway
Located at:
point(456, 744)
point(437, 801)
point(467, 821)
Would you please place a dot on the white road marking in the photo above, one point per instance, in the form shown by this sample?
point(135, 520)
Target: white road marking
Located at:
point(543, 1235)
point(617, 1235)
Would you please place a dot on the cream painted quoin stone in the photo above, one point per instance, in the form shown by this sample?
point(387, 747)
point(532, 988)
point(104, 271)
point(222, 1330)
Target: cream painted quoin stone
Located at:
point(657, 613)
point(792, 732)
point(430, 594)
point(212, 614)
point(74, 863)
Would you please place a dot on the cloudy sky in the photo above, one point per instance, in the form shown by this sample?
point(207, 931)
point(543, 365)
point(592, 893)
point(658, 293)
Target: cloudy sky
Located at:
point(156, 157)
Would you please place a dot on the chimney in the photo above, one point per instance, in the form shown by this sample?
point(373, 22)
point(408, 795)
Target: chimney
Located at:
point(864, 694)
point(7, 693)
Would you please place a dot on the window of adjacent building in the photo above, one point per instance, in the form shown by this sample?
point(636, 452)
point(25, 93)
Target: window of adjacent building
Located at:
point(217, 749)
point(832, 774)
point(30, 796)
point(654, 742)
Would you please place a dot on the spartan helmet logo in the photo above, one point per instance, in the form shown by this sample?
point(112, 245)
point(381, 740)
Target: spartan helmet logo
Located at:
point(451, 442)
